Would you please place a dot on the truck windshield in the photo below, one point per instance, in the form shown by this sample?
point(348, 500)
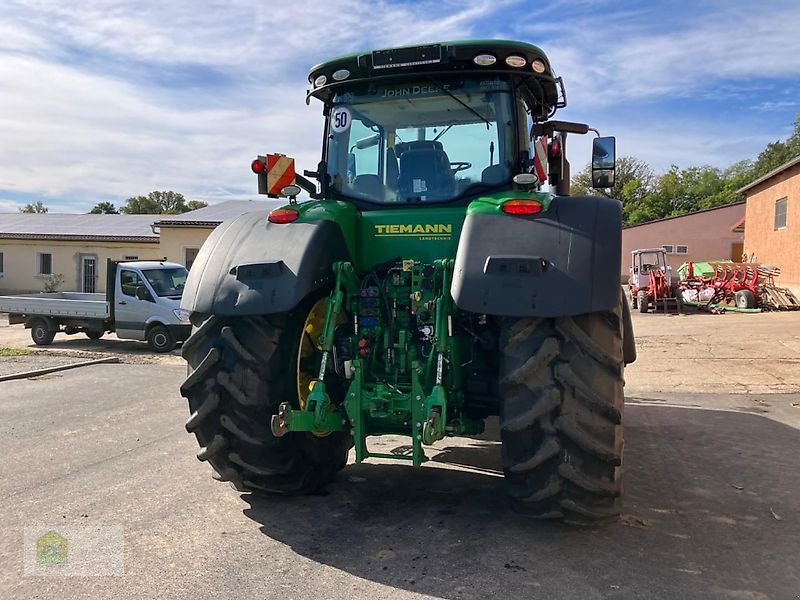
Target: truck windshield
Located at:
point(421, 142)
point(167, 282)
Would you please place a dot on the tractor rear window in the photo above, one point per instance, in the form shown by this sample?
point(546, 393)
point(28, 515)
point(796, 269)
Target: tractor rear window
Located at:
point(421, 142)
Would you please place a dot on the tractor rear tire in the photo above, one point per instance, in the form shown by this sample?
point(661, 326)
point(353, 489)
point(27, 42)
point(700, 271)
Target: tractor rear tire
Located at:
point(643, 300)
point(561, 416)
point(240, 370)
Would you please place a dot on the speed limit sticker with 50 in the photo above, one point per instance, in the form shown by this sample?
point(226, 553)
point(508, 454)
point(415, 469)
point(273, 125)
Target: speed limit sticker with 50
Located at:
point(340, 119)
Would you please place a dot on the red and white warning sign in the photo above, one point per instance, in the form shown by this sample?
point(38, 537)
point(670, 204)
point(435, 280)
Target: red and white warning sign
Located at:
point(540, 158)
point(280, 173)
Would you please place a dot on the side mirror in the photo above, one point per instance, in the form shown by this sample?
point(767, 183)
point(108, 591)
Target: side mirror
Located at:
point(604, 156)
point(142, 293)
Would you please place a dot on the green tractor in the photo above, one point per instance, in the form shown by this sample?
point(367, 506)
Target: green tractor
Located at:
point(428, 284)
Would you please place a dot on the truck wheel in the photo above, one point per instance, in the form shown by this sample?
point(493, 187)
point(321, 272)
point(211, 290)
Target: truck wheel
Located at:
point(160, 339)
point(561, 416)
point(241, 370)
point(643, 300)
point(42, 332)
point(634, 301)
point(94, 335)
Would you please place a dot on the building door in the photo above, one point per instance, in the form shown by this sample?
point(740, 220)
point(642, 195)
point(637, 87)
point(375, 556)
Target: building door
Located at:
point(737, 249)
point(89, 274)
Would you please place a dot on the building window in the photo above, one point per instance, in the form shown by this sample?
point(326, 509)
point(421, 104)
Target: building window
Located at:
point(780, 213)
point(45, 264)
point(1, 264)
point(668, 248)
point(189, 255)
point(681, 249)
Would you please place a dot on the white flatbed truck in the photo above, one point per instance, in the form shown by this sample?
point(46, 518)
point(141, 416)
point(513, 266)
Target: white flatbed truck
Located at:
point(141, 302)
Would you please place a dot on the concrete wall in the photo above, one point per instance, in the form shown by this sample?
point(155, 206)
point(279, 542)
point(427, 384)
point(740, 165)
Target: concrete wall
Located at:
point(707, 234)
point(175, 241)
point(782, 247)
point(21, 262)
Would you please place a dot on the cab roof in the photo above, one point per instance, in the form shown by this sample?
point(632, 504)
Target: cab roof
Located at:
point(444, 59)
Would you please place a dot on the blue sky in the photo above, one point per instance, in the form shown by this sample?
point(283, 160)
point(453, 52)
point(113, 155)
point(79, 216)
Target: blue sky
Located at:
point(102, 100)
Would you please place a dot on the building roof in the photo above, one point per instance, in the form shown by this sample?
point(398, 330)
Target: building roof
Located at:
point(214, 214)
point(54, 226)
point(785, 166)
point(689, 214)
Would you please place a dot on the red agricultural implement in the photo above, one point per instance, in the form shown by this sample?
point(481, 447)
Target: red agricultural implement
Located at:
point(745, 285)
point(730, 283)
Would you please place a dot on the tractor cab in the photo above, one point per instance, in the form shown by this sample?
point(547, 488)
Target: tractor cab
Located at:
point(645, 261)
point(442, 124)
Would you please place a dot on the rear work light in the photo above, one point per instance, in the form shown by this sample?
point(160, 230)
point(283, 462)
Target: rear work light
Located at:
point(521, 207)
point(283, 215)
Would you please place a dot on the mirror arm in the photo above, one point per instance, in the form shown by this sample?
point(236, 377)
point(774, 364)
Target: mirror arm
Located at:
point(307, 185)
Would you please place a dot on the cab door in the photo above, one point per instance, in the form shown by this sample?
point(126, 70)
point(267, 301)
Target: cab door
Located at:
point(130, 313)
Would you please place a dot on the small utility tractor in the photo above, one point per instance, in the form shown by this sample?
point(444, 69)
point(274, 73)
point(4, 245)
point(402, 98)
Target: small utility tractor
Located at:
point(651, 282)
point(428, 284)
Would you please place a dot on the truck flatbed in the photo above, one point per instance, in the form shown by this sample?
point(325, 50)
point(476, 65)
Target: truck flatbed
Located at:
point(58, 304)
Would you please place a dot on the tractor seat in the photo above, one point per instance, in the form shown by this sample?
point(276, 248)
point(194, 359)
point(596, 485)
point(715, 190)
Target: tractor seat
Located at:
point(425, 172)
point(369, 186)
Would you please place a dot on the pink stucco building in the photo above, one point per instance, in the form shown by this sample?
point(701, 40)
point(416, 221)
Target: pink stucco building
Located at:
point(714, 233)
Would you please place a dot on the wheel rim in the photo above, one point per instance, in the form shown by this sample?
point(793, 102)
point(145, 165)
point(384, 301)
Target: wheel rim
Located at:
point(309, 346)
point(159, 339)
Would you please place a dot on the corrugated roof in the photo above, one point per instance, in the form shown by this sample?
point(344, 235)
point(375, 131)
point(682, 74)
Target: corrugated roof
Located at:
point(76, 227)
point(215, 214)
point(770, 175)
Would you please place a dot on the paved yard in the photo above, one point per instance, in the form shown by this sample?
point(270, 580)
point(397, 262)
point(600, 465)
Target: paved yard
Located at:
point(712, 440)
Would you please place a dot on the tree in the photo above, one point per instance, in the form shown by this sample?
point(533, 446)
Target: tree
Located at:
point(104, 208)
point(778, 153)
point(156, 203)
point(195, 204)
point(35, 207)
point(628, 169)
point(634, 181)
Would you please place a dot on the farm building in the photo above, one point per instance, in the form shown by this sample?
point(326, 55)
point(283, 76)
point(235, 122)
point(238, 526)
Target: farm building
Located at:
point(182, 235)
point(36, 249)
point(773, 221)
point(714, 233)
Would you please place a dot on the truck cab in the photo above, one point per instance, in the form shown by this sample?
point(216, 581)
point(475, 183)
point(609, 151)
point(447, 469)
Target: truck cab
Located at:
point(146, 303)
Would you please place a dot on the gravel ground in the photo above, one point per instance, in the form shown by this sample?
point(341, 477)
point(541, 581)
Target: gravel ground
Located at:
point(44, 360)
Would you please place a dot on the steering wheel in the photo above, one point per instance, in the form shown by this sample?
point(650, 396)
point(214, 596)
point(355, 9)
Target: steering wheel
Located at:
point(459, 165)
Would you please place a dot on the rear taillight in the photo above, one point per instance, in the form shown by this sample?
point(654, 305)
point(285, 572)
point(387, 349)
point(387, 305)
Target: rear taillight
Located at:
point(283, 215)
point(259, 166)
point(521, 207)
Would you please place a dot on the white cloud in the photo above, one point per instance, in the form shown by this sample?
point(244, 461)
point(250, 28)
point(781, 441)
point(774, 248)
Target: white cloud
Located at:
point(83, 117)
point(632, 55)
point(88, 111)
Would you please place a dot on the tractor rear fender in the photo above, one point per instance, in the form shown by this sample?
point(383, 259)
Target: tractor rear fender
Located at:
point(249, 266)
point(559, 263)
